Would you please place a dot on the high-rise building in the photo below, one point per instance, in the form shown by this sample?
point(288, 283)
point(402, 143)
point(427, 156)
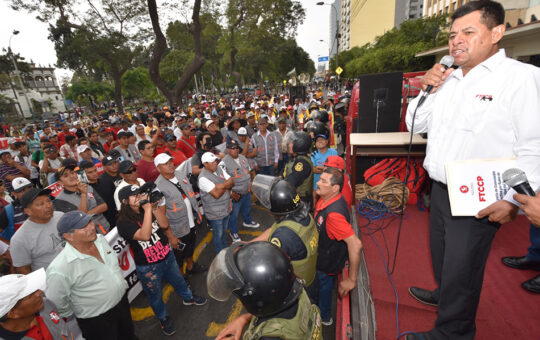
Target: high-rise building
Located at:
point(363, 20)
point(345, 24)
point(335, 15)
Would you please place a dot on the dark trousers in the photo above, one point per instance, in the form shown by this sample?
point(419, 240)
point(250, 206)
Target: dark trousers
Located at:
point(534, 249)
point(114, 324)
point(459, 251)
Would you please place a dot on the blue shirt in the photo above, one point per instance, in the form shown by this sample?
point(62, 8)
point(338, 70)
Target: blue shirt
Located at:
point(319, 159)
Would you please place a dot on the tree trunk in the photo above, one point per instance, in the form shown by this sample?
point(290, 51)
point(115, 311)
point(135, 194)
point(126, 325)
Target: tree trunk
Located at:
point(159, 51)
point(117, 78)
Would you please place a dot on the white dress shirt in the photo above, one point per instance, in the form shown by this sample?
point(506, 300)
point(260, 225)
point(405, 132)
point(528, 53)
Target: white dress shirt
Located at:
point(492, 112)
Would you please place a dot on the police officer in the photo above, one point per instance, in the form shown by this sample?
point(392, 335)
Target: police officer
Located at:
point(294, 230)
point(299, 171)
point(262, 277)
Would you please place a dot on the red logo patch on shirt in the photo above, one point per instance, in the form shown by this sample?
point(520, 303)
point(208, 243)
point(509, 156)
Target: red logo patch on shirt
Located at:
point(185, 181)
point(90, 195)
point(54, 317)
point(464, 189)
point(320, 220)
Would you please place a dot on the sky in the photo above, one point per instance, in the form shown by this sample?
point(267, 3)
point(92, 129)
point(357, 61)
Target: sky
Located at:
point(32, 42)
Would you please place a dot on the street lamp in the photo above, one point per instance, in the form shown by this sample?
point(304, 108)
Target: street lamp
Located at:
point(337, 36)
point(18, 74)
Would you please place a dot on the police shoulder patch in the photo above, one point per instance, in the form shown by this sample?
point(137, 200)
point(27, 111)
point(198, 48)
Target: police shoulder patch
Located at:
point(276, 241)
point(299, 166)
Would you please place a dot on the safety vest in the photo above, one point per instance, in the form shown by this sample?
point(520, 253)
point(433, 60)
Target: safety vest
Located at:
point(306, 324)
point(306, 267)
point(239, 172)
point(215, 208)
point(306, 188)
point(265, 148)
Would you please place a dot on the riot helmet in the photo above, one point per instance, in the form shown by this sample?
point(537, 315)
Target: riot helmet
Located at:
point(302, 143)
point(319, 128)
point(321, 116)
point(275, 194)
point(259, 274)
point(308, 125)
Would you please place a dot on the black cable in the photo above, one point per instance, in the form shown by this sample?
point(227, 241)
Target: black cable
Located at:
point(407, 174)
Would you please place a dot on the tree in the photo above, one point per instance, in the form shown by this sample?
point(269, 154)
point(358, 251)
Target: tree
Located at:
point(136, 84)
point(97, 38)
point(84, 90)
point(160, 48)
point(396, 49)
point(255, 30)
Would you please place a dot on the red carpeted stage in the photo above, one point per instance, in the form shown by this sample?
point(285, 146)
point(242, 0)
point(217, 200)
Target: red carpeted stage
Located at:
point(506, 311)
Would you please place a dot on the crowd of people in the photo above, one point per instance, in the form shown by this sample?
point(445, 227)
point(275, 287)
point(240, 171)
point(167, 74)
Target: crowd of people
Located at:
point(159, 175)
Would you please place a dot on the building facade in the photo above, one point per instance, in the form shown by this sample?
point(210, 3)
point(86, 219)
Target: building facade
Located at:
point(522, 38)
point(42, 90)
point(335, 16)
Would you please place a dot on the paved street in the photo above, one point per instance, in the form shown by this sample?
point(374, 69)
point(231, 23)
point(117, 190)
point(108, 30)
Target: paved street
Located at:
point(204, 322)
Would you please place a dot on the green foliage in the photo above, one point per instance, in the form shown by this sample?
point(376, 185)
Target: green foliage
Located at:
point(83, 89)
point(395, 50)
point(6, 64)
point(136, 84)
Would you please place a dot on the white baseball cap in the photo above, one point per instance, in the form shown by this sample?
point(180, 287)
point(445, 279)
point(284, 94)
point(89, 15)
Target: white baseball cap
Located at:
point(82, 148)
point(162, 158)
point(242, 131)
point(208, 157)
point(20, 183)
point(14, 287)
point(208, 123)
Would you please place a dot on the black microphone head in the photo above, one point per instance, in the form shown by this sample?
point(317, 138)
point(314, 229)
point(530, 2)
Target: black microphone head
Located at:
point(514, 176)
point(447, 61)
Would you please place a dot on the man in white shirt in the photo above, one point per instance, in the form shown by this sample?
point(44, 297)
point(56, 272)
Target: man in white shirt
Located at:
point(487, 108)
point(215, 185)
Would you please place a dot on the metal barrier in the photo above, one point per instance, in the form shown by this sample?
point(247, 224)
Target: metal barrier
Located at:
point(355, 316)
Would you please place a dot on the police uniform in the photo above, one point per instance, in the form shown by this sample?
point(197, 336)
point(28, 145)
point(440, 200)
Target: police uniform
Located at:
point(301, 321)
point(299, 172)
point(299, 241)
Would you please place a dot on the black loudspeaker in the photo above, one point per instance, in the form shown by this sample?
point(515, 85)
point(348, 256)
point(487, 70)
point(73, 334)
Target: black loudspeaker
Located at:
point(379, 103)
point(297, 92)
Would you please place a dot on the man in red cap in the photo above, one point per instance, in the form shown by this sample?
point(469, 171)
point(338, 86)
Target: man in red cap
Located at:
point(339, 163)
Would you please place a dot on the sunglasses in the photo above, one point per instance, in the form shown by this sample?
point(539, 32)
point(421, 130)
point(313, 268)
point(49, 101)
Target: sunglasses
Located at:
point(132, 170)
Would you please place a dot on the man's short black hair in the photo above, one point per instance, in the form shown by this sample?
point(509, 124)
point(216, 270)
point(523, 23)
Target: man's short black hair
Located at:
point(18, 144)
point(85, 164)
point(492, 12)
point(200, 137)
point(69, 138)
point(336, 177)
point(142, 144)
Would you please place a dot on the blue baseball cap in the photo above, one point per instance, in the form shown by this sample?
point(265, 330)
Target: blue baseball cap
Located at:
point(72, 220)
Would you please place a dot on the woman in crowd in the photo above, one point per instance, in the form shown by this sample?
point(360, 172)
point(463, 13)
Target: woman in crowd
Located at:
point(154, 259)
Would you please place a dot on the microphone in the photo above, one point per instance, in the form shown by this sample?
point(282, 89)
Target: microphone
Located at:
point(517, 180)
point(446, 61)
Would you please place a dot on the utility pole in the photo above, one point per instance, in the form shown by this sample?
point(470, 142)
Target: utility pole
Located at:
point(18, 76)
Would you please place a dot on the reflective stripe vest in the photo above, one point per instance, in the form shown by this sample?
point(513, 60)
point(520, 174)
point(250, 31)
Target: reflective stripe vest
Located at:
point(304, 268)
point(240, 173)
point(215, 209)
point(265, 153)
point(175, 207)
point(306, 324)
